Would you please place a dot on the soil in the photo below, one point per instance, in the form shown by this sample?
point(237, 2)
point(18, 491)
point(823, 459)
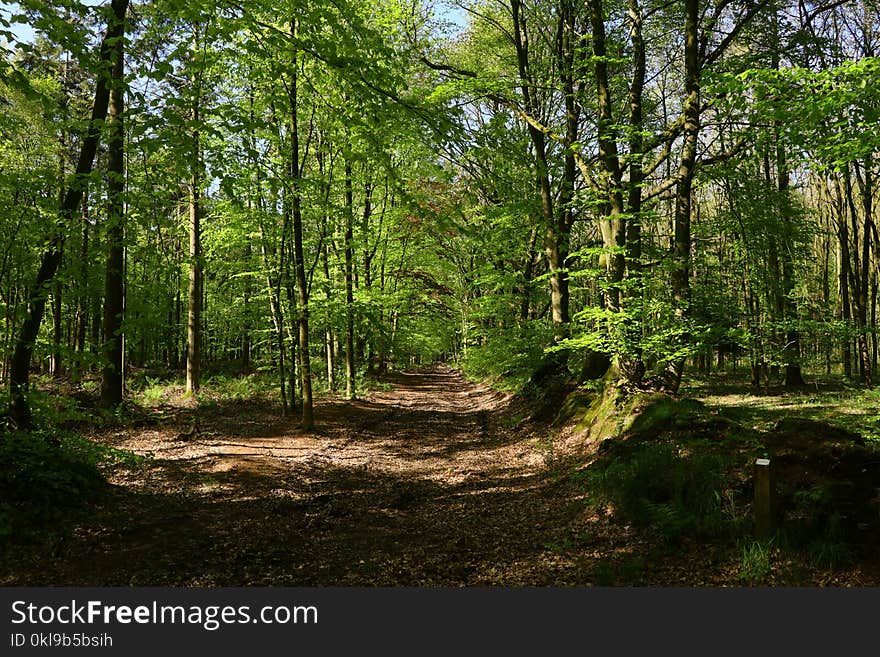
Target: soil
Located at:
point(435, 481)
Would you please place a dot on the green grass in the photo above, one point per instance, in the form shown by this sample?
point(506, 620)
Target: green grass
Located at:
point(756, 561)
point(235, 388)
point(214, 389)
point(690, 477)
point(833, 401)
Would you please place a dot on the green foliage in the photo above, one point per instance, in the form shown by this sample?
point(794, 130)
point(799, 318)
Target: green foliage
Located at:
point(222, 387)
point(154, 392)
point(756, 560)
point(510, 357)
point(816, 524)
point(832, 114)
point(52, 410)
point(831, 552)
point(655, 485)
point(46, 474)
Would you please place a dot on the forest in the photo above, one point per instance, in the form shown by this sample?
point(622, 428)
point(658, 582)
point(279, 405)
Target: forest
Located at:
point(411, 292)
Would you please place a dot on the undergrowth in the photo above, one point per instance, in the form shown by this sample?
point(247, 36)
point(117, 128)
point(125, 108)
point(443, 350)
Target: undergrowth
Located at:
point(656, 485)
point(48, 473)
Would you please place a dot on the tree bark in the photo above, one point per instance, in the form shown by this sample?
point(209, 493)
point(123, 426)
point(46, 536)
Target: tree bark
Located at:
point(112, 382)
point(19, 379)
point(305, 369)
point(554, 238)
point(350, 391)
point(194, 326)
point(681, 245)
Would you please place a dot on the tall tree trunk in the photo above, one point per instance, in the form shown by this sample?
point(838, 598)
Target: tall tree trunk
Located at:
point(792, 352)
point(364, 342)
point(865, 181)
point(273, 286)
point(612, 226)
point(350, 391)
point(785, 289)
point(860, 270)
point(554, 238)
point(328, 333)
point(194, 315)
point(632, 365)
point(80, 324)
point(55, 368)
point(19, 410)
point(57, 288)
point(112, 383)
point(681, 244)
point(843, 276)
point(246, 328)
point(302, 291)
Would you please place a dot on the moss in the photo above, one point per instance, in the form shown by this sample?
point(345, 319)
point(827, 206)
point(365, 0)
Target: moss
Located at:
point(656, 413)
point(618, 412)
point(575, 405)
point(601, 420)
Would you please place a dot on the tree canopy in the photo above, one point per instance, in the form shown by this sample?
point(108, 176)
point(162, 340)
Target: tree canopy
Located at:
point(324, 190)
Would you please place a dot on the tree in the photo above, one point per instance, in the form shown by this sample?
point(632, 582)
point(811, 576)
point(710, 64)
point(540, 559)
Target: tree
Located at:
point(19, 373)
point(112, 385)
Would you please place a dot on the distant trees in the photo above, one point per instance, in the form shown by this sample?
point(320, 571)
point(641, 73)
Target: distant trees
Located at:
point(626, 186)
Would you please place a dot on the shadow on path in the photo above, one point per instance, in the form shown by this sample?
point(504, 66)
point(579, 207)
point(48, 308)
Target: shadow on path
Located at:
point(420, 485)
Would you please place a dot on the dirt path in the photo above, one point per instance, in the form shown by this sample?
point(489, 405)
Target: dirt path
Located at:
point(423, 484)
point(431, 482)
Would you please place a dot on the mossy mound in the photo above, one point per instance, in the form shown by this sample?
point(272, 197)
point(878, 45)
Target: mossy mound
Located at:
point(663, 463)
point(574, 406)
point(620, 413)
point(681, 468)
point(827, 482)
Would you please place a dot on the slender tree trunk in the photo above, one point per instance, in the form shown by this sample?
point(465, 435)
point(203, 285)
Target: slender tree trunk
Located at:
point(874, 344)
point(246, 329)
point(860, 271)
point(632, 364)
point(82, 300)
point(55, 368)
point(613, 226)
point(275, 311)
point(328, 333)
point(554, 238)
point(843, 277)
point(194, 316)
point(681, 245)
point(80, 320)
point(364, 342)
point(866, 192)
point(19, 410)
point(793, 375)
point(350, 390)
point(525, 288)
point(308, 421)
point(112, 383)
point(787, 305)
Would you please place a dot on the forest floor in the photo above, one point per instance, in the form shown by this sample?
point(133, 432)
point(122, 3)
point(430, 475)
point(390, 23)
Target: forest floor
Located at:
point(431, 481)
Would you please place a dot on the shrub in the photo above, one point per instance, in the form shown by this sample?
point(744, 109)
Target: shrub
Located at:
point(655, 485)
point(511, 358)
point(45, 474)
